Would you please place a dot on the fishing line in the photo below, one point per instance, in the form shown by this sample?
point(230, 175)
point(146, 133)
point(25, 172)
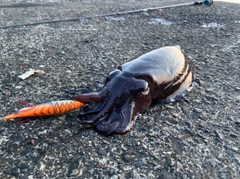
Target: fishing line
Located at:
point(205, 2)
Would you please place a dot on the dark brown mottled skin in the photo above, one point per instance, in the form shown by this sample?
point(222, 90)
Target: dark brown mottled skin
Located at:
point(162, 75)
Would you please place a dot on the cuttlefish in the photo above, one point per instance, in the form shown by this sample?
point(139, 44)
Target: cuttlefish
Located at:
point(163, 75)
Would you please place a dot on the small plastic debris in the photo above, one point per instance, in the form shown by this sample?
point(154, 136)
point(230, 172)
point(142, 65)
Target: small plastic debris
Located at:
point(30, 73)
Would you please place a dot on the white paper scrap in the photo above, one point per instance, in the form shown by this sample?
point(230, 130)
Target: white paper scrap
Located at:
point(30, 73)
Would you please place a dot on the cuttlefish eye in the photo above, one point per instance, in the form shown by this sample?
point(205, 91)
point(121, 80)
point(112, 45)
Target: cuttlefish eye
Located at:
point(112, 75)
point(146, 91)
point(140, 87)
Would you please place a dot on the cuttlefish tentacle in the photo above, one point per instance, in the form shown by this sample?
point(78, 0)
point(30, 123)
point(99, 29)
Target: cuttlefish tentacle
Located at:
point(89, 97)
point(108, 106)
point(119, 121)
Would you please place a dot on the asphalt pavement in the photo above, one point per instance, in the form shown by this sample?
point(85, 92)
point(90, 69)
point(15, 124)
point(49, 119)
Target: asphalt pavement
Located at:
point(196, 137)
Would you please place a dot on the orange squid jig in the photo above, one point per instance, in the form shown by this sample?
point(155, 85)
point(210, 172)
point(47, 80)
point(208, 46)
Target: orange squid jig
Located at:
point(46, 109)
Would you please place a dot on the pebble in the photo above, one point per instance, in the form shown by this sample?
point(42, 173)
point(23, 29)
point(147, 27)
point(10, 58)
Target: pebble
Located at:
point(197, 110)
point(33, 142)
point(18, 87)
point(238, 98)
point(235, 149)
point(140, 163)
point(237, 88)
point(233, 135)
point(219, 134)
point(179, 166)
point(189, 124)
